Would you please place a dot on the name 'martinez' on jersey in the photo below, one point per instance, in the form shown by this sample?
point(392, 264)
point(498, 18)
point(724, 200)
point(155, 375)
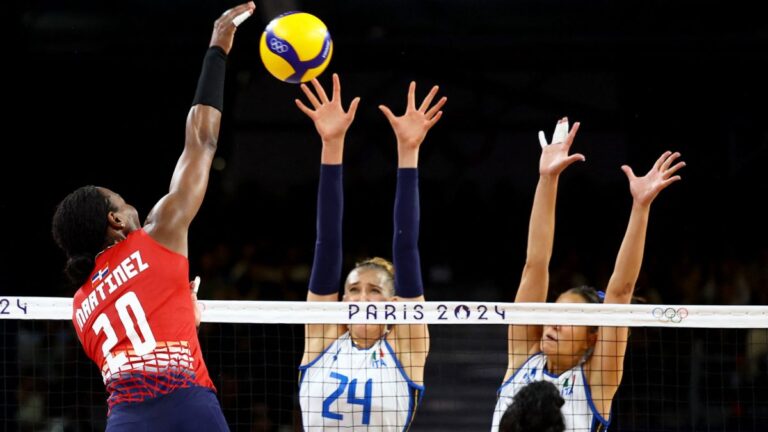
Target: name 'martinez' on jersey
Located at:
point(109, 280)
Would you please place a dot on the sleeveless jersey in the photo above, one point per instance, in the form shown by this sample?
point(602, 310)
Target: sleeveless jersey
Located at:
point(135, 319)
point(579, 411)
point(349, 388)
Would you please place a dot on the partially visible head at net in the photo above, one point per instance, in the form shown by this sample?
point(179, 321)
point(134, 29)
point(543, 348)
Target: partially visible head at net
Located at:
point(535, 408)
point(588, 293)
point(572, 344)
point(86, 222)
point(372, 280)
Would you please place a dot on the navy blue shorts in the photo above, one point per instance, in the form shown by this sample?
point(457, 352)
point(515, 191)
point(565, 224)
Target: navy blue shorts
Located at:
point(185, 409)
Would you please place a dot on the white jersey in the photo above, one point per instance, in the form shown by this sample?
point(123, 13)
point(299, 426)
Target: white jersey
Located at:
point(579, 411)
point(348, 388)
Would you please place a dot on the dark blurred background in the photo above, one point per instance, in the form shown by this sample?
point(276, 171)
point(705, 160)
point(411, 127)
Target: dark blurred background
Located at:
point(99, 93)
point(102, 92)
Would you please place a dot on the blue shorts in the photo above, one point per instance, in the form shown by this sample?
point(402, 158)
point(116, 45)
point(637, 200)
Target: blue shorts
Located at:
point(185, 409)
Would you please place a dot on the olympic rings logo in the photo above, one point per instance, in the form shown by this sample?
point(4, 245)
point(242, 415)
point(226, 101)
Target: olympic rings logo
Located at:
point(278, 46)
point(670, 314)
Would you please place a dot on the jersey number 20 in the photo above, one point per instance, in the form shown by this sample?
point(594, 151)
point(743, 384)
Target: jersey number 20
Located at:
point(365, 401)
point(140, 347)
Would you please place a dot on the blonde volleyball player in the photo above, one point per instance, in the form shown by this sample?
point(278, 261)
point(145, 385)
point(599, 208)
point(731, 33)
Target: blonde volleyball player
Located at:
point(365, 377)
point(585, 363)
point(132, 311)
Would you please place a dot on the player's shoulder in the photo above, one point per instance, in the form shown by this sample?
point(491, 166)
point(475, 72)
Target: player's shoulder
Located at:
point(79, 295)
point(536, 358)
point(146, 238)
point(138, 235)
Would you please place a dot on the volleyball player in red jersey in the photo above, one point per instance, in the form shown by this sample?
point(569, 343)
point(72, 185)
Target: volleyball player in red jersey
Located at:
point(133, 313)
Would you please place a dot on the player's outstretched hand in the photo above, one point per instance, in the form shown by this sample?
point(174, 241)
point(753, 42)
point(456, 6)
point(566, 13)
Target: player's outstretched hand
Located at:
point(224, 27)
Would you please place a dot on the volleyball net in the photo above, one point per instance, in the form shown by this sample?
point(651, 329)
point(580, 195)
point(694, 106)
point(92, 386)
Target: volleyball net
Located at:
point(686, 367)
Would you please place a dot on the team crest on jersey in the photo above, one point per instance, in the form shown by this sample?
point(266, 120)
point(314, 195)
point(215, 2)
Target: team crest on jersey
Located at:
point(568, 386)
point(378, 362)
point(99, 275)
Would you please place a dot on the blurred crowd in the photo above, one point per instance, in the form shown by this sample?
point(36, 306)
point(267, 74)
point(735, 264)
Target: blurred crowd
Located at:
point(280, 272)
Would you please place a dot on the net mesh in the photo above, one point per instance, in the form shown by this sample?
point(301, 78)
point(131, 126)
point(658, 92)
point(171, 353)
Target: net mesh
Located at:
point(706, 371)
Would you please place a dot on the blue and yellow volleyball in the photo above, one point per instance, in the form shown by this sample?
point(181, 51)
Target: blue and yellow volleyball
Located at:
point(296, 47)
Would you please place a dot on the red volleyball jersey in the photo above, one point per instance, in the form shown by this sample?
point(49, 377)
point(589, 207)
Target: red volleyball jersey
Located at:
point(135, 319)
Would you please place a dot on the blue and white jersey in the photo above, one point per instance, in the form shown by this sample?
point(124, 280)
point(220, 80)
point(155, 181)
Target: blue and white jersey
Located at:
point(349, 388)
point(579, 411)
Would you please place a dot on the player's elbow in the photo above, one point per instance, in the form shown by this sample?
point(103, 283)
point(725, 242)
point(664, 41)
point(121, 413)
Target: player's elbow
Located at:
point(536, 264)
point(405, 248)
point(622, 291)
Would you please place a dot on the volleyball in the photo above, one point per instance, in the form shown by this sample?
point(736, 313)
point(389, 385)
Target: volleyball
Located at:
point(296, 47)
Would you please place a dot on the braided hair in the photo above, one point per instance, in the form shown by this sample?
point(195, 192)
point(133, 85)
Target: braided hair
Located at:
point(79, 229)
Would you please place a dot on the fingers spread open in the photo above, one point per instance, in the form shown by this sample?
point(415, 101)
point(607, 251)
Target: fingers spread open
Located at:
point(661, 160)
point(669, 181)
point(561, 132)
point(428, 99)
point(675, 168)
point(665, 165)
point(572, 134)
point(436, 108)
point(304, 108)
point(311, 96)
point(387, 113)
point(542, 139)
point(336, 87)
point(435, 119)
point(319, 90)
point(411, 96)
point(575, 157)
point(353, 107)
point(628, 171)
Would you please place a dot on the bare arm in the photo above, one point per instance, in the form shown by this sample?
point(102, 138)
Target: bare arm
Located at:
point(524, 340)
point(606, 366)
point(411, 341)
point(168, 222)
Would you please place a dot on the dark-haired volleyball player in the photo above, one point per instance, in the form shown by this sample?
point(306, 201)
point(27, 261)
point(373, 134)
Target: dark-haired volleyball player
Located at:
point(535, 408)
point(133, 313)
point(365, 377)
point(585, 363)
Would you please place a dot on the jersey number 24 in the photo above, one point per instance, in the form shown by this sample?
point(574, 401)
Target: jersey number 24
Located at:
point(365, 401)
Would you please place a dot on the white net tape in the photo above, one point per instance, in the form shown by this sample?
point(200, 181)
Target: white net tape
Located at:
point(648, 315)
